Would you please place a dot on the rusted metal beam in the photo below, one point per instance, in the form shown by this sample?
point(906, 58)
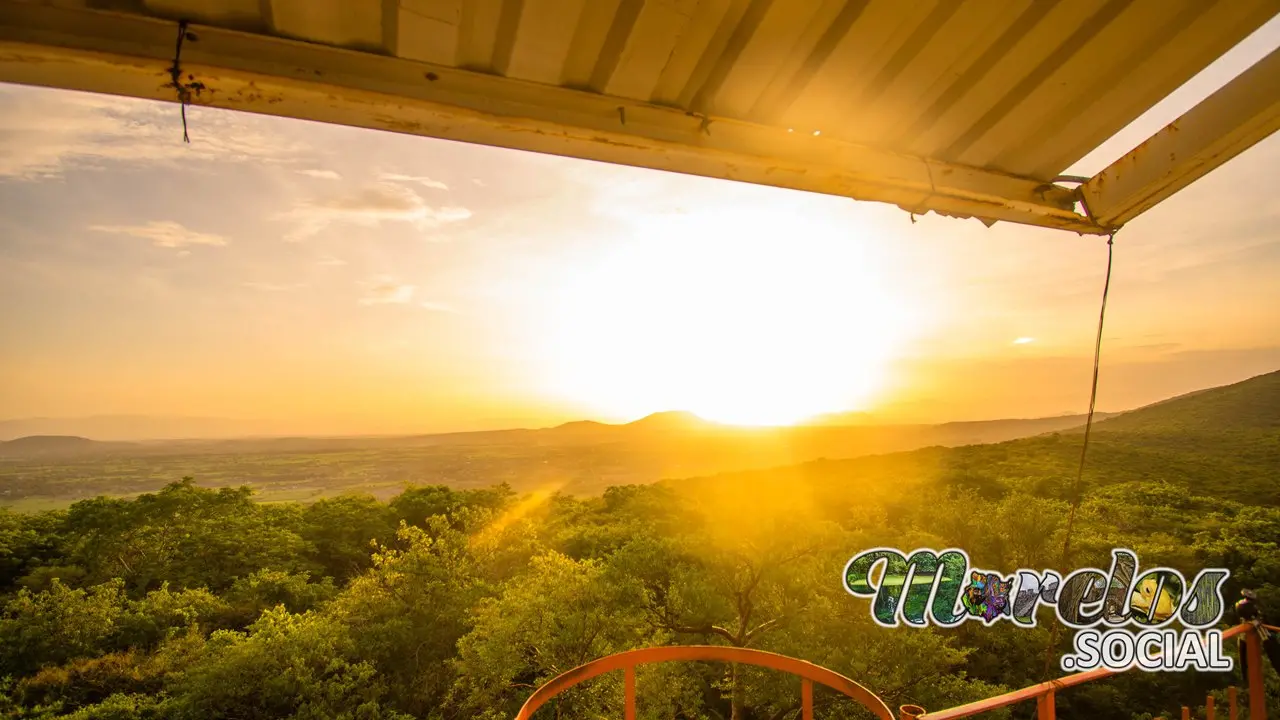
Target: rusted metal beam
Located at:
point(806, 699)
point(1239, 115)
point(131, 55)
point(1232, 707)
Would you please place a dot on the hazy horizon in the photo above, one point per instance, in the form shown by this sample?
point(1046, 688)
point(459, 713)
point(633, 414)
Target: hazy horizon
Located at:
point(126, 428)
point(248, 427)
point(329, 280)
point(258, 430)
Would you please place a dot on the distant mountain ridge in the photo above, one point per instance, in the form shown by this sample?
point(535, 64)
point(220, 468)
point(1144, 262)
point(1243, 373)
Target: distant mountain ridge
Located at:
point(124, 427)
point(40, 445)
point(1224, 438)
point(149, 429)
point(1250, 403)
point(680, 433)
point(1221, 442)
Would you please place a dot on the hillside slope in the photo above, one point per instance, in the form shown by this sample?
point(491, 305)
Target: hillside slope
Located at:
point(1250, 405)
point(1222, 442)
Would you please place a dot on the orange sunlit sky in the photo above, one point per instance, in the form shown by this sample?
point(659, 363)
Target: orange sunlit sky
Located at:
point(289, 277)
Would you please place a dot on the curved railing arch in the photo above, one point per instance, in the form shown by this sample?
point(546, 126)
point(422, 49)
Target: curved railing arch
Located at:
point(1043, 694)
point(627, 662)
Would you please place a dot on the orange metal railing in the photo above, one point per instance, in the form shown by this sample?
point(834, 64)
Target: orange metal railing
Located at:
point(1043, 694)
point(627, 662)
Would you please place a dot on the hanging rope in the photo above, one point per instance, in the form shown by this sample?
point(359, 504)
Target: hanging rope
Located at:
point(1093, 400)
point(185, 90)
point(1084, 447)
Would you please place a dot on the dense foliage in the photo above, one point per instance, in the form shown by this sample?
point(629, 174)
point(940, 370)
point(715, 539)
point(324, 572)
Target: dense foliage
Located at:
point(201, 603)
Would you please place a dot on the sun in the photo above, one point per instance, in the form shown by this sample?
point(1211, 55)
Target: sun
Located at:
point(747, 317)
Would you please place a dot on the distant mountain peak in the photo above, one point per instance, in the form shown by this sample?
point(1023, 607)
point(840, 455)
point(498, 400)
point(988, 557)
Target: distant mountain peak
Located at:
point(48, 445)
point(671, 419)
point(579, 425)
point(51, 440)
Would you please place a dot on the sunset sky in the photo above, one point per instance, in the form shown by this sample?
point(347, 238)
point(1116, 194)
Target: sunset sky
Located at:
point(303, 278)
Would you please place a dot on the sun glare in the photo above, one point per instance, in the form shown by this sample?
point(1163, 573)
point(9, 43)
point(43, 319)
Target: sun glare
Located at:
point(744, 317)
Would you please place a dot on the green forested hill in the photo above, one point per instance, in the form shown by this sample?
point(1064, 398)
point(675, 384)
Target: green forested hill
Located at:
point(444, 604)
point(1222, 443)
point(1248, 406)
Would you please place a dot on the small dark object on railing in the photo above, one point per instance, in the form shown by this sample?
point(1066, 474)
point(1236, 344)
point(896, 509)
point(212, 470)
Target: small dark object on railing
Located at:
point(1250, 611)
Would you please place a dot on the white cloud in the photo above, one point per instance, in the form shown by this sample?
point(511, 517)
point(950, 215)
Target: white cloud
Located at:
point(330, 261)
point(163, 233)
point(386, 291)
point(44, 133)
point(321, 174)
point(419, 179)
point(371, 206)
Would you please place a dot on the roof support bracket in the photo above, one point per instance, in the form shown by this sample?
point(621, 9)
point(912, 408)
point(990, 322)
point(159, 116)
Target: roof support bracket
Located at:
point(1240, 114)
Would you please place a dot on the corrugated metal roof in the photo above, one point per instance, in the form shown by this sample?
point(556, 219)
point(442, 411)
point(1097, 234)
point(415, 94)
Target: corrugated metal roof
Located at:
point(1023, 87)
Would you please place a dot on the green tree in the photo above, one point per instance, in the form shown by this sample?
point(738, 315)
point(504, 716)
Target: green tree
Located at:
point(59, 624)
point(286, 667)
point(248, 597)
point(345, 531)
point(188, 536)
point(409, 611)
point(559, 615)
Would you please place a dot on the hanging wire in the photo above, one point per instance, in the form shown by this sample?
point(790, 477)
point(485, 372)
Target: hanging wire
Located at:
point(184, 90)
point(1093, 400)
point(1084, 447)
